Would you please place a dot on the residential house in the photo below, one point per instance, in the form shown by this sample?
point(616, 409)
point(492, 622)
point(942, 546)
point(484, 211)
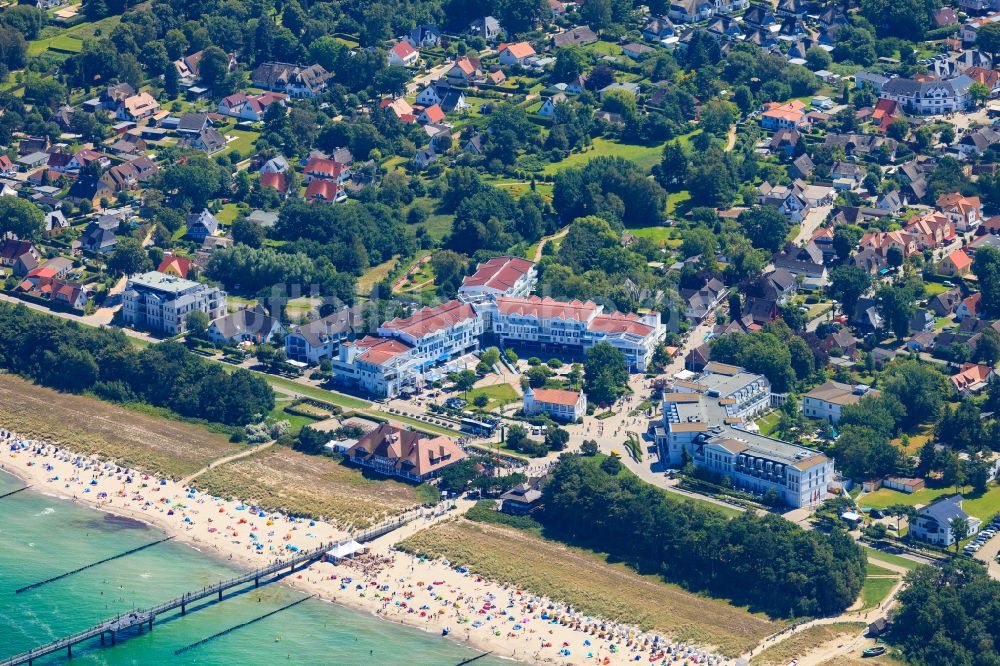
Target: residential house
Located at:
point(293, 80)
point(945, 17)
point(934, 523)
point(320, 339)
point(162, 302)
point(432, 114)
point(43, 283)
point(19, 255)
point(424, 36)
point(201, 225)
point(790, 115)
point(7, 167)
point(636, 51)
point(465, 71)
point(55, 222)
point(90, 189)
point(578, 36)
point(826, 400)
point(557, 403)
point(806, 261)
point(628, 86)
point(780, 286)
point(976, 142)
point(785, 141)
point(802, 166)
point(323, 190)
point(970, 308)
point(945, 303)
point(702, 302)
point(957, 263)
point(891, 202)
point(99, 237)
point(137, 107)
point(972, 378)
point(516, 54)
point(328, 169)
point(659, 28)
point(251, 325)
point(690, 11)
point(129, 175)
point(250, 107)
point(930, 230)
point(846, 175)
point(487, 27)
point(403, 54)
point(966, 213)
point(410, 455)
point(176, 266)
point(548, 108)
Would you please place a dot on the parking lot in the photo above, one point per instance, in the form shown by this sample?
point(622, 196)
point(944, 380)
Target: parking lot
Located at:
point(986, 545)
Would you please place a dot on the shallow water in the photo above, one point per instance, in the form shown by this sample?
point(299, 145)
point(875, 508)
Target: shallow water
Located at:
point(43, 536)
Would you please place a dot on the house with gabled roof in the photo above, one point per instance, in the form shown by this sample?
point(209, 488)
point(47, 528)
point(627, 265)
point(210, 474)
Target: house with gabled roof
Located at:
point(321, 338)
point(558, 403)
point(934, 522)
point(137, 107)
point(402, 54)
point(966, 213)
point(516, 54)
point(393, 451)
point(251, 325)
point(957, 263)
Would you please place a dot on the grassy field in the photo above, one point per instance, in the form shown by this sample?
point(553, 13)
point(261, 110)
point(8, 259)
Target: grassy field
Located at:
point(644, 156)
point(983, 507)
point(876, 589)
point(768, 422)
point(591, 584)
point(87, 425)
point(287, 385)
point(805, 641)
point(315, 486)
point(244, 141)
point(499, 395)
point(889, 559)
point(295, 421)
point(374, 275)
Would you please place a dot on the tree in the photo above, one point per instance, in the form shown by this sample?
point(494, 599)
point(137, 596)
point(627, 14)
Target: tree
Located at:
point(959, 530)
point(21, 218)
point(588, 447)
point(979, 476)
point(988, 38)
point(845, 239)
point(464, 380)
point(597, 14)
point(898, 129)
point(765, 226)
point(818, 58)
point(848, 284)
point(979, 93)
point(986, 266)
point(129, 257)
point(248, 232)
point(556, 438)
point(570, 64)
point(605, 373)
point(919, 387)
point(456, 477)
point(449, 271)
point(196, 322)
point(481, 400)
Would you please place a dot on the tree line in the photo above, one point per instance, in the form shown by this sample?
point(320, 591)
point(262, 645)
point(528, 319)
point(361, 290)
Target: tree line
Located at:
point(66, 356)
point(766, 562)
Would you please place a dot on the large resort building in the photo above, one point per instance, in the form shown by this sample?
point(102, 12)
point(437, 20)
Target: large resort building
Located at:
point(493, 306)
point(707, 420)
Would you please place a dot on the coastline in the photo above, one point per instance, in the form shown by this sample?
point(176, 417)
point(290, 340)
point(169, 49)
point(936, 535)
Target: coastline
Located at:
point(388, 584)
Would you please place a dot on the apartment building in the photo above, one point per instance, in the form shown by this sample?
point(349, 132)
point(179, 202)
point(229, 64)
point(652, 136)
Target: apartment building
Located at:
point(825, 401)
point(161, 302)
point(707, 420)
point(500, 276)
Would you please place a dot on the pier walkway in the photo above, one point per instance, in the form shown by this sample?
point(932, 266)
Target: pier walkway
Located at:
point(145, 617)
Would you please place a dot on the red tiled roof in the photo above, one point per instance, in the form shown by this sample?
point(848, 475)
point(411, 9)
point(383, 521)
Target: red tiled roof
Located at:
point(546, 308)
point(274, 180)
point(618, 322)
point(409, 451)
point(426, 321)
point(324, 167)
point(320, 188)
point(181, 264)
point(434, 113)
point(520, 50)
point(499, 273)
point(403, 49)
point(379, 351)
point(557, 397)
point(960, 259)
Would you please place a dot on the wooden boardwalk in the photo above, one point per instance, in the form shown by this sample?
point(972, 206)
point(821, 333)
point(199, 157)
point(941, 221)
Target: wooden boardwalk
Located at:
point(145, 617)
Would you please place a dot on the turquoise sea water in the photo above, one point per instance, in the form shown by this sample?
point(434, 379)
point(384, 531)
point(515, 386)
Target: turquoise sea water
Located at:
point(43, 536)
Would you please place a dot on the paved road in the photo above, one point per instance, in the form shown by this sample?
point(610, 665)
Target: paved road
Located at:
point(814, 218)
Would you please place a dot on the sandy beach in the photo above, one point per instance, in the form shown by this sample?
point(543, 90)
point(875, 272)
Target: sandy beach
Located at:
point(395, 586)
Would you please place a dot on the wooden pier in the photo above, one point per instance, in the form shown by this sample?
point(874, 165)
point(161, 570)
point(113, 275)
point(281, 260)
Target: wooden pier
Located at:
point(109, 629)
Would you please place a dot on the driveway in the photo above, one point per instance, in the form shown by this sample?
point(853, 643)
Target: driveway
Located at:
point(814, 218)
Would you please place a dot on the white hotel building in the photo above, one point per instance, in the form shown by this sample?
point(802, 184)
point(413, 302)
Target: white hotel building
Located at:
point(706, 418)
point(432, 336)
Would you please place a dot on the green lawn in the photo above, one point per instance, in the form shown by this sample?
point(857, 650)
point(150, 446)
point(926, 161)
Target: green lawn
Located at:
point(768, 423)
point(374, 275)
point(340, 399)
point(644, 156)
point(876, 570)
point(984, 507)
point(499, 395)
point(935, 288)
point(295, 421)
point(244, 142)
point(889, 559)
point(875, 590)
point(659, 235)
point(228, 213)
